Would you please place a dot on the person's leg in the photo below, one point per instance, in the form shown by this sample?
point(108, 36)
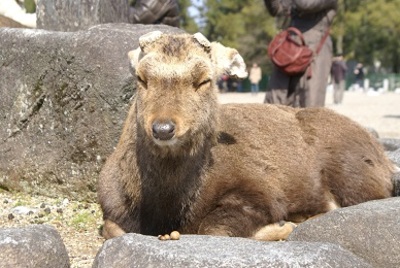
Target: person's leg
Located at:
point(278, 87)
point(336, 93)
point(315, 95)
point(342, 88)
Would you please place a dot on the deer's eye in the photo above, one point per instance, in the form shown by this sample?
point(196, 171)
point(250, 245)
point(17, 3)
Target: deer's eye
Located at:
point(203, 83)
point(141, 81)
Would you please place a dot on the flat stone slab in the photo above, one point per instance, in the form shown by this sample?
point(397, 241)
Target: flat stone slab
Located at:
point(134, 250)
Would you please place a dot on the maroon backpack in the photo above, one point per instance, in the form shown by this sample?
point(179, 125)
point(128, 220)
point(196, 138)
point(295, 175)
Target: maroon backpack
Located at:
point(289, 52)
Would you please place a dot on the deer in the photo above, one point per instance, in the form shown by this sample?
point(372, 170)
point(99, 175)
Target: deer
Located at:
point(185, 162)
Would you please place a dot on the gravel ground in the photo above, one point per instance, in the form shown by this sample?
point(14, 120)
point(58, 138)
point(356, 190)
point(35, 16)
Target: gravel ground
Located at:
point(79, 222)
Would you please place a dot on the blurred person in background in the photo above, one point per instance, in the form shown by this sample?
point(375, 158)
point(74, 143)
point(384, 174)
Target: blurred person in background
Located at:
point(359, 76)
point(338, 73)
point(313, 18)
point(255, 75)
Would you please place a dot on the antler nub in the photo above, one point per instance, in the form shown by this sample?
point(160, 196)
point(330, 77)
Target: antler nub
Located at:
point(148, 38)
point(202, 40)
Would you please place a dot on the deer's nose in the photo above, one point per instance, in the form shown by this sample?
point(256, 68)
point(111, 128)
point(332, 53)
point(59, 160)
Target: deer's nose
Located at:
point(163, 130)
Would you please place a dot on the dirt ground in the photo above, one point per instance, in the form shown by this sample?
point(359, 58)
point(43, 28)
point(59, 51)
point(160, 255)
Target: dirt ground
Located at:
point(78, 223)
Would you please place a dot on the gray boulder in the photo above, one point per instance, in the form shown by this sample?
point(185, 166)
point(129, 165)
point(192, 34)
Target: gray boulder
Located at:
point(63, 100)
point(74, 15)
point(390, 144)
point(33, 246)
point(134, 250)
point(394, 156)
point(369, 230)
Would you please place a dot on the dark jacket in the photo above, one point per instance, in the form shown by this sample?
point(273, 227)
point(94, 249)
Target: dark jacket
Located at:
point(338, 70)
point(155, 12)
point(305, 14)
point(313, 18)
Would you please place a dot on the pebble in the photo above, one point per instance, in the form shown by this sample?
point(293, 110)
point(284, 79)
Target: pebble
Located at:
point(65, 202)
point(21, 210)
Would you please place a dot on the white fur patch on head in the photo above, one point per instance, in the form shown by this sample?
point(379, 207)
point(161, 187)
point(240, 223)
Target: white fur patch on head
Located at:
point(202, 40)
point(148, 38)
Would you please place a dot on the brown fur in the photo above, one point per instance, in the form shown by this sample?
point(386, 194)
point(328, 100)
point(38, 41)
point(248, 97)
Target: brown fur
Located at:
point(232, 169)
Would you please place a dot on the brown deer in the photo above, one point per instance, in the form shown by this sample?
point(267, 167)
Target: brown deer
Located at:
point(186, 163)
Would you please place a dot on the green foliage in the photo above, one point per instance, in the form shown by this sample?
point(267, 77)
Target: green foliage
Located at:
point(30, 6)
point(81, 220)
point(187, 22)
point(363, 30)
point(244, 25)
point(370, 30)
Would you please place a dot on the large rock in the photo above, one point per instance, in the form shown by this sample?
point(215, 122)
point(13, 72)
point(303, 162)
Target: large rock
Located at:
point(33, 246)
point(73, 15)
point(134, 250)
point(390, 144)
point(63, 100)
point(369, 230)
point(394, 156)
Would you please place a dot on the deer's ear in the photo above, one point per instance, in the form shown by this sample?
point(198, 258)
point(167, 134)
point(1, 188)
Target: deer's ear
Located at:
point(228, 61)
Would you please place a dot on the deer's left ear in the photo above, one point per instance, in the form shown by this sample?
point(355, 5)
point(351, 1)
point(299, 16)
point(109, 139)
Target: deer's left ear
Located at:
point(228, 61)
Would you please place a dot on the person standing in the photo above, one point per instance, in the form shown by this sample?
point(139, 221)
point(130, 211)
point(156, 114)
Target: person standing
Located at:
point(313, 18)
point(338, 73)
point(359, 76)
point(255, 76)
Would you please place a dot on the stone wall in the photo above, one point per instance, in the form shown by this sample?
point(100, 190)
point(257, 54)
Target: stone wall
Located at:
point(63, 100)
point(74, 15)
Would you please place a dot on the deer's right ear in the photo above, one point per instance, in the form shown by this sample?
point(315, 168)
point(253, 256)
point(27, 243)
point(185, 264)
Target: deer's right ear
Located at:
point(228, 61)
point(135, 56)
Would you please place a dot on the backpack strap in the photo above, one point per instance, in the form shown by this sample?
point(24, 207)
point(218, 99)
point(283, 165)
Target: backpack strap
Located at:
point(321, 43)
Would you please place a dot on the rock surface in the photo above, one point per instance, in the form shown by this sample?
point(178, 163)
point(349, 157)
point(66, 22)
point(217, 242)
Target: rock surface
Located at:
point(73, 15)
point(390, 144)
point(369, 230)
point(134, 250)
point(33, 246)
point(395, 157)
point(63, 100)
